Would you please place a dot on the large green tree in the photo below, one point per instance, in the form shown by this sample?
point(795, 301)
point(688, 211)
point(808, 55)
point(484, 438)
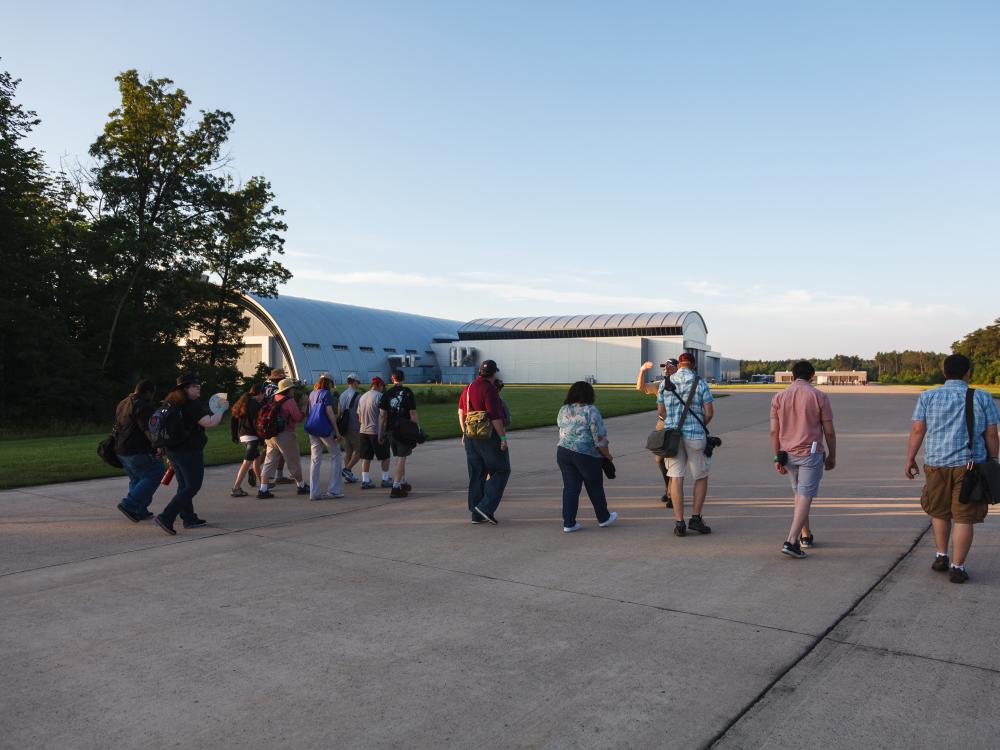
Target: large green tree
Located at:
point(239, 256)
point(149, 193)
point(982, 346)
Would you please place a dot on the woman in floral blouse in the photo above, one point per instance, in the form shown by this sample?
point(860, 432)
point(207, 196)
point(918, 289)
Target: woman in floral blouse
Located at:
point(583, 446)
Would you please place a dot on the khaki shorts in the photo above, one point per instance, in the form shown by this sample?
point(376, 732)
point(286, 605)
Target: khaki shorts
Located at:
point(690, 460)
point(940, 497)
point(352, 442)
point(285, 445)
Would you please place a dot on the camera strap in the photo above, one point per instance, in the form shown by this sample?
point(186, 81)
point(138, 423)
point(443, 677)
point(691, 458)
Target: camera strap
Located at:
point(687, 406)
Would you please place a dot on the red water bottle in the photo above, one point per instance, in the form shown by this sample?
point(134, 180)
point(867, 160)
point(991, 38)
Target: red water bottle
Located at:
point(168, 476)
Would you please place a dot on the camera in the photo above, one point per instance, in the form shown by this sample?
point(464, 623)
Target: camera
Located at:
point(711, 444)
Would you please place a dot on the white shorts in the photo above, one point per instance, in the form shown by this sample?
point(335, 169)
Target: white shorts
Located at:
point(690, 460)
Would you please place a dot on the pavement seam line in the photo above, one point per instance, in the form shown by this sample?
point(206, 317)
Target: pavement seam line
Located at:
point(535, 585)
point(895, 652)
point(818, 640)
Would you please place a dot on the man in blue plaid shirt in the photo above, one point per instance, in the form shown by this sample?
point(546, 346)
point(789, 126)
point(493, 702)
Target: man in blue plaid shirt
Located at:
point(940, 419)
point(691, 456)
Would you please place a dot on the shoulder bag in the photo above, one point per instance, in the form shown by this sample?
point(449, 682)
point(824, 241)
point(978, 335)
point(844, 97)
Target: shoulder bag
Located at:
point(981, 482)
point(667, 442)
point(477, 424)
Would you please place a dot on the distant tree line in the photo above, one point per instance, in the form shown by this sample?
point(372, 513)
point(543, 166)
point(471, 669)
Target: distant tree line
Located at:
point(129, 265)
point(982, 346)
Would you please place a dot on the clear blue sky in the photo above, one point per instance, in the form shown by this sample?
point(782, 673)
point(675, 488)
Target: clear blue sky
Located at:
point(813, 178)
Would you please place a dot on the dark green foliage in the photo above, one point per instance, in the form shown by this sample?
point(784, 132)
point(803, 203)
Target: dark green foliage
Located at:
point(982, 346)
point(106, 268)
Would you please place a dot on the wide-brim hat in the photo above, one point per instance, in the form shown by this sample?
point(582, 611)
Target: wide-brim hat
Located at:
point(285, 385)
point(187, 379)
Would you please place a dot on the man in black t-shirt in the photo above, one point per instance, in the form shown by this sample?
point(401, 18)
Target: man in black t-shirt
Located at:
point(398, 403)
point(144, 468)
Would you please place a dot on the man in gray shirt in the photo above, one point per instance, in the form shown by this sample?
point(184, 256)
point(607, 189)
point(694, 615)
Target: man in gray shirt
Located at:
point(352, 435)
point(369, 446)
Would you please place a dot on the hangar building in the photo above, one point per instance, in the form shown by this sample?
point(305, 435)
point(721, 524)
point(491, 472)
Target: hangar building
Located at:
point(311, 337)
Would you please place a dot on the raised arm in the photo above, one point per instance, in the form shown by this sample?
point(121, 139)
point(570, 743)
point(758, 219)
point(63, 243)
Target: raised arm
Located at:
point(641, 385)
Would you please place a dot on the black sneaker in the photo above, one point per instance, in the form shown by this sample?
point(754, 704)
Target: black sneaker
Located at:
point(303, 490)
point(264, 494)
point(146, 515)
point(397, 492)
point(194, 523)
point(793, 550)
point(167, 528)
point(941, 564)
point(806, 541)
point(251, 479)
point(476, 518)
point(958, 575)
point(680, 528)
point(696, 524)
point(665, 499)
point(407, 487)
point(488, 517)
point(130, 515)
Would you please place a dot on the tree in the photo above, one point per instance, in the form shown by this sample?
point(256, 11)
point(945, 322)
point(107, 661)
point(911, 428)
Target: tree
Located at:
point(982, 346)
point(148, 195)
point(239, 257)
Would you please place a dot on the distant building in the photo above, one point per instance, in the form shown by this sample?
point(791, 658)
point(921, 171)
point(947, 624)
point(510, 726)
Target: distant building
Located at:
point(311, 337)
point(829, 377)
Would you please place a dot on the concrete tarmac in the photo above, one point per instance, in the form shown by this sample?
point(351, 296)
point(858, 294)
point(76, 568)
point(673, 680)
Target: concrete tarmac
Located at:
point(376, 623)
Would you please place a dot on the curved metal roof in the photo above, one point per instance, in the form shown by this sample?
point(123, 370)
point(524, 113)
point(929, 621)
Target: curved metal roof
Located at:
point(296, 321)
point(610, 321)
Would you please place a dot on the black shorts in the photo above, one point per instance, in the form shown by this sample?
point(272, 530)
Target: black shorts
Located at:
point(399, 449)
point(253, 450)
point(370, 448)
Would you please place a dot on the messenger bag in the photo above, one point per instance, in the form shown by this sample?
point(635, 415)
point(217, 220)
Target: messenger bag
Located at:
point(981, 482)
point(477, 424)
point(666, 442)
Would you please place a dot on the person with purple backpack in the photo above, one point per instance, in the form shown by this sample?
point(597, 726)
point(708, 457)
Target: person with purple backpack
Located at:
point(321, 426)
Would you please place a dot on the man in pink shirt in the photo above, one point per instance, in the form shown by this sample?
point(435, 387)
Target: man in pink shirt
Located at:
point(285, 444)
point(800, 420)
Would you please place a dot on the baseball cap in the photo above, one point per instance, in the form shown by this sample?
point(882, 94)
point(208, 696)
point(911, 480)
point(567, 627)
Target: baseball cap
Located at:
point(488, 368)
point(353, 376)
point(188, 378)
point(377, 381)
point(670, 361)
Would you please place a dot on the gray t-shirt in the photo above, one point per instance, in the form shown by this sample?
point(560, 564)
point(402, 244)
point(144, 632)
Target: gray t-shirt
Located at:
point(368, 412)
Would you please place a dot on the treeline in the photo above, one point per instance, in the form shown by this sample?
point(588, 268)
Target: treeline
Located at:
point(128, 265)
point(982, 346)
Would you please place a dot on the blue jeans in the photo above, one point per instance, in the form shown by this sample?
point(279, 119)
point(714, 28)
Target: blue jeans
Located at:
point(145, 471)
point(579, 469)
point(484, 458)
point(189, 471)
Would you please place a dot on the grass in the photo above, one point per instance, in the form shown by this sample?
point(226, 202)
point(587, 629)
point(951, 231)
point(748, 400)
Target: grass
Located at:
point(70, 457)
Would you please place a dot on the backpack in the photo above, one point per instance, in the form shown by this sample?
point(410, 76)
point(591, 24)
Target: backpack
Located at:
point(344, 420)
point(166, 426)
point(270, 421)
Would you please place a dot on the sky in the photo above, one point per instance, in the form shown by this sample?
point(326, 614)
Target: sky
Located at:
point(813, 178)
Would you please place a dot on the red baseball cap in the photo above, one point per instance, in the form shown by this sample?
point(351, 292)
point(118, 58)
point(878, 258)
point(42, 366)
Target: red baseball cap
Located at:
point(377, 381)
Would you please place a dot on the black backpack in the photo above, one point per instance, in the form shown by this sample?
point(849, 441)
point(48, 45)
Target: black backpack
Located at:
point(166, 426)
point(344, 420)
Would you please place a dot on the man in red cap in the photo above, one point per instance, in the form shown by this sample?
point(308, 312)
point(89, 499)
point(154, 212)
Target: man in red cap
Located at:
point(667, 367)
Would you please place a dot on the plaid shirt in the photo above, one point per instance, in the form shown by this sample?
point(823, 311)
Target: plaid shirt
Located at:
point(683, 379)
point(943, 411)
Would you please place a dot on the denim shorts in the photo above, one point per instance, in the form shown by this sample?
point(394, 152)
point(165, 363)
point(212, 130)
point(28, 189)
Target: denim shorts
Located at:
point(805, 473)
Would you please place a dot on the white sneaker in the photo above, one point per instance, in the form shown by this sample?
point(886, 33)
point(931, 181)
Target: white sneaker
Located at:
point(576, 527)
point(332, 495)
point(611, 520)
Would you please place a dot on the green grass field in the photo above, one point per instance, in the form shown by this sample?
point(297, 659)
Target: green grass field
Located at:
point(68, 458)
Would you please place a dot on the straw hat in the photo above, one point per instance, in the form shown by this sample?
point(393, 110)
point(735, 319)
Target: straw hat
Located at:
point(285, 385)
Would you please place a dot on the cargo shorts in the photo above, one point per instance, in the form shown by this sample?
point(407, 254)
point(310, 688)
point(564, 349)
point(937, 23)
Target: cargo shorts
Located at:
point(942, 486)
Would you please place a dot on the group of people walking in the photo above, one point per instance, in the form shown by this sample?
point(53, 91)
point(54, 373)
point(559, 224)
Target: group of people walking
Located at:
point(374, 425)
point(958, 427)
